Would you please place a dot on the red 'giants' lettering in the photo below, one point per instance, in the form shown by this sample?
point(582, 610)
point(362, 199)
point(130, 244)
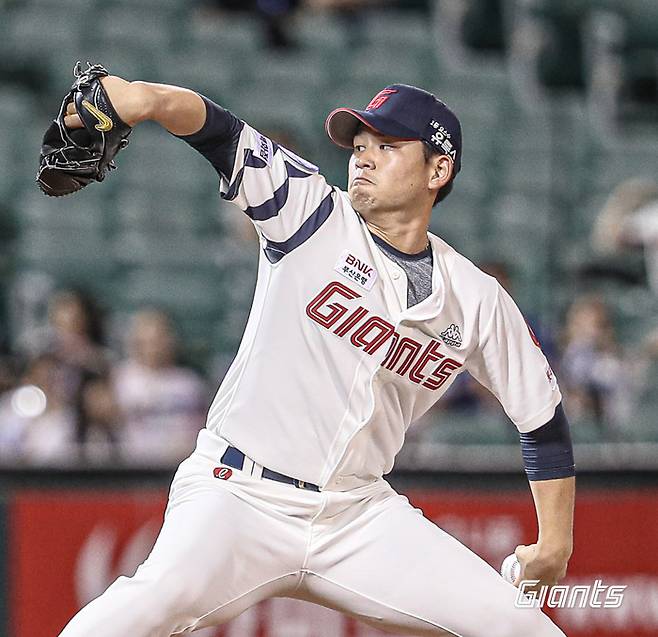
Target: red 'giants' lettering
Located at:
point(337, 310)
point(382, 331)
point(412, 348)
point(441, 374)
point(370, 332)
point(430, 354)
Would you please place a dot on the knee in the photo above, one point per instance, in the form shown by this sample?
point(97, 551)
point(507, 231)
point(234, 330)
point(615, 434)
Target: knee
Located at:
point(168, 600)
point(140, 605)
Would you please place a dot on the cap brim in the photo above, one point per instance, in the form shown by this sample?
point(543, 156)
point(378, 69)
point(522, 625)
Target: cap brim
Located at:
point(342, 123)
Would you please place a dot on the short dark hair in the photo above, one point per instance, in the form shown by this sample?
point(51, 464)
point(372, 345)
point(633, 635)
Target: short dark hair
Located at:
point(428, 152)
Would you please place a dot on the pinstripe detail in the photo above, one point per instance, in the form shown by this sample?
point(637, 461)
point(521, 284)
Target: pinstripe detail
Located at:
point(276, 250)
point(250, 161)
point(293, 171)
point(271, 207)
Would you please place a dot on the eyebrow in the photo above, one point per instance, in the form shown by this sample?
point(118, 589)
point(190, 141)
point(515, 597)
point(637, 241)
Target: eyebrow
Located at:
point(388, 140)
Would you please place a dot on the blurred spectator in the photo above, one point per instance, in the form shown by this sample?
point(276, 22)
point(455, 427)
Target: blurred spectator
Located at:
point(7, 373)
point(277, 15)
point(102, 420)
point(162, 404)
point(501, 272)
point(595, 376)
point(74, 339)
point(324, 5)
point(629, 220)
point(274, 13)
point(352, 5)
point(36, 424)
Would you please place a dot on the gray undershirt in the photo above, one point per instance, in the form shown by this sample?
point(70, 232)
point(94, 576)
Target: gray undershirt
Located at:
point(418, 268)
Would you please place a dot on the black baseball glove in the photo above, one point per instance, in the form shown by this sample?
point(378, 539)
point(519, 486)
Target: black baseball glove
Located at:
point(73, 158)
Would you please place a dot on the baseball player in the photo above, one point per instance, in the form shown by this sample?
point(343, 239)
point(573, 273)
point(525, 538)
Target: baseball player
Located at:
point(361, 320)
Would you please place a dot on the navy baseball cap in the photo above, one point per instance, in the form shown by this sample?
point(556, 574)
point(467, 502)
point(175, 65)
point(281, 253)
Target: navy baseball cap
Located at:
point(402, 111)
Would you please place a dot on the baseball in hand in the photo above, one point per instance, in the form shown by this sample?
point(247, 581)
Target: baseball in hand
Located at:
point(510, 568)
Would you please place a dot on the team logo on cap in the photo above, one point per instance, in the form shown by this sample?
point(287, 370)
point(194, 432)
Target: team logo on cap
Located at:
point(380, 99)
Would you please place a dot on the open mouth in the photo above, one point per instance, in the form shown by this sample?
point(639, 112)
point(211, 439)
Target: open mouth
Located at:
point(361, 180)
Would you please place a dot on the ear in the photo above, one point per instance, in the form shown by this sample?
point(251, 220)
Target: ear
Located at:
point(441, 174)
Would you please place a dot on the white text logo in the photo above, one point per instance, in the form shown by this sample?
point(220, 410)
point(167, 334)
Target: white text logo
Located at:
point(582, 596)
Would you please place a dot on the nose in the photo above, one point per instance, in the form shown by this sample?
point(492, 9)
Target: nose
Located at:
point(364, 159)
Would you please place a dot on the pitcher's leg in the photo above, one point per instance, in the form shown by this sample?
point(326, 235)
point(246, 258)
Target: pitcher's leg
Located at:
point(395, 569)
point(214, 554)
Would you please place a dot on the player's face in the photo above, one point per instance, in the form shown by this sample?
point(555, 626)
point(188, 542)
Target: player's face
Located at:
point(387, 174)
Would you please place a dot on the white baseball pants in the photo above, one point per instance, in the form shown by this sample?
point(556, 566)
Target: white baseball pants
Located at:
point(228, 544)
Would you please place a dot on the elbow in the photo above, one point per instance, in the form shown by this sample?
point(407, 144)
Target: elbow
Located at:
point(150, 100)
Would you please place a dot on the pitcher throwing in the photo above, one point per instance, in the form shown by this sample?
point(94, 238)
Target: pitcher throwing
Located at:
point(361, 320)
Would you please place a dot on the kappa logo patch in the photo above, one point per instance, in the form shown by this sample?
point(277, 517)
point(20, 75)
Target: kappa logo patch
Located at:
point(223, 473)
point(356, 270)
point(452, 336)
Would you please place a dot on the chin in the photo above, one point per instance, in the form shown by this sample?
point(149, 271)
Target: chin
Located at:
point(361, 201)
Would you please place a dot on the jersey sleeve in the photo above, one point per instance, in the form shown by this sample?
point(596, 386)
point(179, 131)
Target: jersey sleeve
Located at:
point(509, 362)
point(280, 192)
point(284, 195)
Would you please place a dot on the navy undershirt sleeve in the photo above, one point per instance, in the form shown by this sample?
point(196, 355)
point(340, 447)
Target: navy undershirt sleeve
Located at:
point(218, 138)
point(547, 451)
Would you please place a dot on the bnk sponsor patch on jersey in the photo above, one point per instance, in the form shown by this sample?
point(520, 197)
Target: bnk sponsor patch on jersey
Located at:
point(356, 270)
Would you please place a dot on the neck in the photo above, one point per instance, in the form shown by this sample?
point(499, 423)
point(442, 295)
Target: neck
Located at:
point(409, 236)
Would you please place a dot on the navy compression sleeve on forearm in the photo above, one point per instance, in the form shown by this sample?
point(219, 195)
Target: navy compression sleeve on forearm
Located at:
point(547, 451)
point(218, 138)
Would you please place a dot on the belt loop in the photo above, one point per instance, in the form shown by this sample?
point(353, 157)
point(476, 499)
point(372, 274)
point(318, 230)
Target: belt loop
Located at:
point(248, 466)
point(257, 470)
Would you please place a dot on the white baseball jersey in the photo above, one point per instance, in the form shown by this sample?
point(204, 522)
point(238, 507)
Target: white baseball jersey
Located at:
point(333, 367)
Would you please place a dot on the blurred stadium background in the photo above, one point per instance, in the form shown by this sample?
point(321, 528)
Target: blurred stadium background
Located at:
point(121, 307)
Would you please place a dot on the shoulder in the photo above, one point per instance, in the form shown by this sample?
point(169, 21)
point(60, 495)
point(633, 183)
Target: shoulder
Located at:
point(464, 279)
